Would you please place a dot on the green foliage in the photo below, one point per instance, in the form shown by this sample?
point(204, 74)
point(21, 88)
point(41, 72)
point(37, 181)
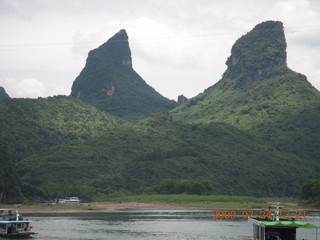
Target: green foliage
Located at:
point(173, 186)
point(203, 201)
point(9, 184)
point(283, 110)
point(311, 189)
point(29, 125)
point(255, 55)
point(136, 158)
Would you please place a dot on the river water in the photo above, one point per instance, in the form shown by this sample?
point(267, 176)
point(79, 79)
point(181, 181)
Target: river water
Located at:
point(148, 224)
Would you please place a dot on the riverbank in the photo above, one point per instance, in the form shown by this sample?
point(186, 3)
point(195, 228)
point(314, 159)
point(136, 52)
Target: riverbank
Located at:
point(216, 202)
point(84, 207)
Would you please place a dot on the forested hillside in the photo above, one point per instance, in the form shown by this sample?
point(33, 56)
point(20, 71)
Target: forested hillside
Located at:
point(9, 181)
point(29, 125)
point(137, 158)
point(259, 94)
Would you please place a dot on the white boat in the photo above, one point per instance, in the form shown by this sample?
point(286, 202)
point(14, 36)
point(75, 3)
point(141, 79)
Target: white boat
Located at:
point(69, 200)
point(12, 225)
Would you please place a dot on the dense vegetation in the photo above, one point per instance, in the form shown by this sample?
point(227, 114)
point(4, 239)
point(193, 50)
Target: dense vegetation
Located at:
point(284, 110)
point(109, 82)
point(311, 189)
point(173, 186)
point(138, 157)
point(256, 55)
point(203, 201)
point(29, 125)
point(9, 183)
point(263, 97)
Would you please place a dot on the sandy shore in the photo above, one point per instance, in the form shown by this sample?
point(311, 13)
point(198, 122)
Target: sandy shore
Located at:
point(96, 207)
point(109, 207)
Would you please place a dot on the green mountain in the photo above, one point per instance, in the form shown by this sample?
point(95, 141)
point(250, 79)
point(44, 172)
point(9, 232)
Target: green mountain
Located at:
point(259, 94)
point(109, 82)
point(255, 132)
point(3, 94)
point(29, 125)
point(139, 157)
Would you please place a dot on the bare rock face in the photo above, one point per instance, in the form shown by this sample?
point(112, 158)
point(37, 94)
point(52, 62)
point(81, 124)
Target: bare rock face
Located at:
point(182, 99)
point(258, 54)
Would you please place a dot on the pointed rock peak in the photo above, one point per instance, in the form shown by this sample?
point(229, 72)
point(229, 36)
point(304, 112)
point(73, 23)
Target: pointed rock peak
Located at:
point(116, 50)
point(256, 55)
point(120, 36)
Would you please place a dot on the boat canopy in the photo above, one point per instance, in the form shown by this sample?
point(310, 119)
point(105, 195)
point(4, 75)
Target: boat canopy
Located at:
point(6, 222)
point(288, 224)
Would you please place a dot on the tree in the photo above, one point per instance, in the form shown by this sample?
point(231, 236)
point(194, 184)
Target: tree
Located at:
point(311, 189)
point(9, 187)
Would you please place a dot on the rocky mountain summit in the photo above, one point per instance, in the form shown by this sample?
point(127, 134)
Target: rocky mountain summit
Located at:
point(256, 55)
point(109, 82)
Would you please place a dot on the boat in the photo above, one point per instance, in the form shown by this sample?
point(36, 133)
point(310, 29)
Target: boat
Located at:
point(12, 225)
point(273, 227)
point(69, 200)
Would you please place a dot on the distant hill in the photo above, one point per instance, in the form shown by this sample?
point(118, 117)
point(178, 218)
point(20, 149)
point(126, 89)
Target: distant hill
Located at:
point(109, 82)
point(29, 125)
point(3, 94)
point(261, 95)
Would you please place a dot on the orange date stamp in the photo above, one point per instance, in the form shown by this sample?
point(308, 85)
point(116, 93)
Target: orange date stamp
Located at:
point(247, 214)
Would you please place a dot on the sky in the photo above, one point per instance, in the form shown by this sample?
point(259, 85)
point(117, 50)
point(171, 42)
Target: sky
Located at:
point(178, 47)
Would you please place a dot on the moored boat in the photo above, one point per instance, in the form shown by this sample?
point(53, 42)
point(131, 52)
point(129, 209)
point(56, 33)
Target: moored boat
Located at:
point(69, 200)
point(12, 225)
point(272, 227)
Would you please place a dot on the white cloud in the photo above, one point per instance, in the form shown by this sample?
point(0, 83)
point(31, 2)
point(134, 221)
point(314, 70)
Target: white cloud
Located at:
point(24, 88)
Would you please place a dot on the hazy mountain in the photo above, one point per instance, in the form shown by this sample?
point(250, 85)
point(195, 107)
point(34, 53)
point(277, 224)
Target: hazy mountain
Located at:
point(109, 82)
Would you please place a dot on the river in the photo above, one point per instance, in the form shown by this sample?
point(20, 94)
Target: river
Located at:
point(147, 224)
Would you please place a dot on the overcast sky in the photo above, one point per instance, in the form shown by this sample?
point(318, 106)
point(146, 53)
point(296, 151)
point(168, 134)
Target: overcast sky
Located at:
point(178, 46)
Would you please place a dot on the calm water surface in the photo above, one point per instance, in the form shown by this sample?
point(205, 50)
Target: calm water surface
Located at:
point(147, 224)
